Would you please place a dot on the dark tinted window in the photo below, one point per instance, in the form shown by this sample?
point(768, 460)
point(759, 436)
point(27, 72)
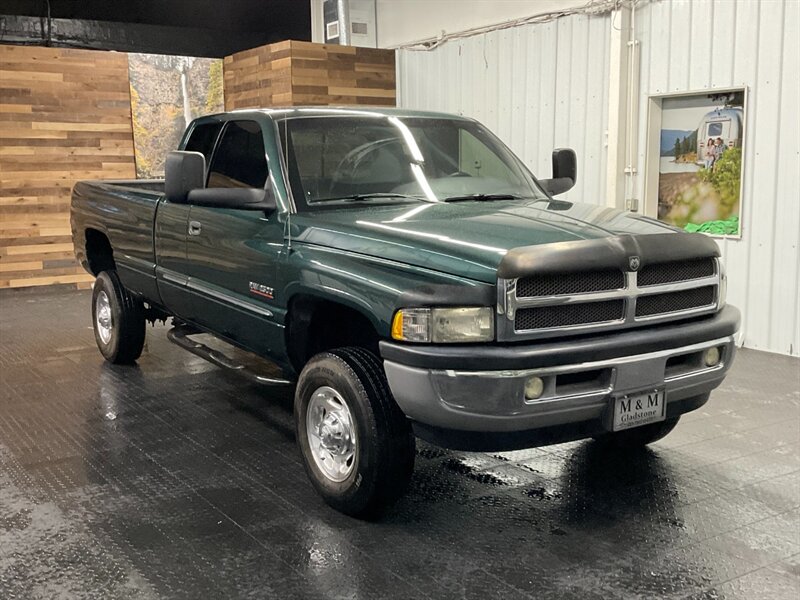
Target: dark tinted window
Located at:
point(202, 139)
point(240, 159)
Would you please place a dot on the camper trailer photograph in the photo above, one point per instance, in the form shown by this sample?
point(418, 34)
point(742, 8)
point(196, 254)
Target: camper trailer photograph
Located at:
point(700, 162)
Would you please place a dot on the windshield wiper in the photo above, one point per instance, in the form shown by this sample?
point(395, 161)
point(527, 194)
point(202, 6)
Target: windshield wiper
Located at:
point(360, 197)
point(483, 197)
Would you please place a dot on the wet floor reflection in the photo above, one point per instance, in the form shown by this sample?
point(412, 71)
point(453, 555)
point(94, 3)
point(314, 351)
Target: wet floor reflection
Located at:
point(171, 479)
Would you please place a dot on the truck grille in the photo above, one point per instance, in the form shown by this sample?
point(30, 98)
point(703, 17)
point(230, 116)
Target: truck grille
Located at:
point(676, 271)
point(659, 304)
point(570, 283)
point(542, 305)
point(568, 315)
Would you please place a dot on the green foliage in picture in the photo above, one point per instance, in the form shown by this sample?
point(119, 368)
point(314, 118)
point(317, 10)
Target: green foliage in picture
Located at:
point(726, 177)
point(214, 99)
point(726, 227)
point(141, 135)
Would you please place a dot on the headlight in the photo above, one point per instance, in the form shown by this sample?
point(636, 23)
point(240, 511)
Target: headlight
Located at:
point(444, 325)
point(723, 285)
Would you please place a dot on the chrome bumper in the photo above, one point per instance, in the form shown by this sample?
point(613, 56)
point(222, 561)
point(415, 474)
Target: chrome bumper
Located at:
point(494, 401)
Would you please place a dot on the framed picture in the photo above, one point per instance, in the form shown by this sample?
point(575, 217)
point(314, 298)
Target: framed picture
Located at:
point(167, 92)
point(695, 152)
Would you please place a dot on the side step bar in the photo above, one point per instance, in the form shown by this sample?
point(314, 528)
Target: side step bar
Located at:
point(179, 335)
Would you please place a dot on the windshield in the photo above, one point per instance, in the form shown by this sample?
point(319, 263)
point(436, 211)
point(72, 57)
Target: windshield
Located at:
point(339, 159)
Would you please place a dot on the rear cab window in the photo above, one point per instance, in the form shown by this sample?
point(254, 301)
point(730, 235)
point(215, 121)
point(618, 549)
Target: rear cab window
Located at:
point(202, 139)
point(240, 159)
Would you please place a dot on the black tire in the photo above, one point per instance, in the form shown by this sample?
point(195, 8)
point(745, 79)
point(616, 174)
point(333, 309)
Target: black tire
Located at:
point(126, 340)
point(638, 436)
point(383, 461)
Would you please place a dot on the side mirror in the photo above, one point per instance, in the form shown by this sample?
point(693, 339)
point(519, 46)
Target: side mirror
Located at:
point(183, 172)
point(565, 172)
point(242, 198)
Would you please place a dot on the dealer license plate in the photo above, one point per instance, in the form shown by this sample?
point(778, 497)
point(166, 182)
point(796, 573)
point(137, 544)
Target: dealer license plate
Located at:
point(641, 408)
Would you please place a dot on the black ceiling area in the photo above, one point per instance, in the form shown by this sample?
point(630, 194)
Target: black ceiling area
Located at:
point(212, 28)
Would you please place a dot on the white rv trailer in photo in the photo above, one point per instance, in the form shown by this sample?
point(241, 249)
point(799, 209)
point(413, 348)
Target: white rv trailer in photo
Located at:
point(725, 123)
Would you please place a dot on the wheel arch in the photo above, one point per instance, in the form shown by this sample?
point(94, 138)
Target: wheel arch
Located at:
point(98, 251)
point(317, 321)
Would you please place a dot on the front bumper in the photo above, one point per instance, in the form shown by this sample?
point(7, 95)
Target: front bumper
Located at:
point(481, 388)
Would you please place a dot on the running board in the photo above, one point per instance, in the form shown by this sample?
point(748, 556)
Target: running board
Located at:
point(179, 335)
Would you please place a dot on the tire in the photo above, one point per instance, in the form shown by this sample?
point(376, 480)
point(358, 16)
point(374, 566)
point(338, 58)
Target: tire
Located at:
point(638, 436)
point(117, 319)
point(382, 458)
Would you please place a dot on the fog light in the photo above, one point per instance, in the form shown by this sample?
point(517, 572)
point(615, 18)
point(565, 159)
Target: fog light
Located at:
point(712, 356)
point(534, 388)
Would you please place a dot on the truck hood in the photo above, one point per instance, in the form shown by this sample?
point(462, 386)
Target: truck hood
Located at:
point(467, 239)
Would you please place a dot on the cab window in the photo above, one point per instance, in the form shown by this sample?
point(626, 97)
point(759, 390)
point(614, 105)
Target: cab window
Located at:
point(476, 159)
point(240, 158)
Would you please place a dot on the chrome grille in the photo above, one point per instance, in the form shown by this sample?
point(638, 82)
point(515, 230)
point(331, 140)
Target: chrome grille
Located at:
point(540, 306)
point(659, 304)
point(568, 315)
point(676, 271)
point(570, 283)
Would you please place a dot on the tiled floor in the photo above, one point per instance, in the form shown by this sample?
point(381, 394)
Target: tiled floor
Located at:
point(172, 479)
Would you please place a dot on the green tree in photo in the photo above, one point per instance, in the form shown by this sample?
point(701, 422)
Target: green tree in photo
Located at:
point(677, 151)
point(726, 177)
point(693, 142)
point(214, 99)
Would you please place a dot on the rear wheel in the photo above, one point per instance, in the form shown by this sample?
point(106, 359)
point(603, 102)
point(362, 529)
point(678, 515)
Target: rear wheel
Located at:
point(638, 436)
point(357, 446)
point(118, 320)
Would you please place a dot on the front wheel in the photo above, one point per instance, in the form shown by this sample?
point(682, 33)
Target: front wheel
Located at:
point(357, 445)
point(118, 320)
point(637, 437)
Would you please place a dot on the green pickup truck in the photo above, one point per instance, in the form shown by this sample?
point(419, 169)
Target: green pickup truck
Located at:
point(409, 277)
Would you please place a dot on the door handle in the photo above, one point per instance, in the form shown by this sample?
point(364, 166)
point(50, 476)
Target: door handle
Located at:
point(194, 228)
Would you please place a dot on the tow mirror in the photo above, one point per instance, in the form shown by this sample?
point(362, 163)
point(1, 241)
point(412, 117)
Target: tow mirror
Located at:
point(565, 172)
point(242, 198)
point(183, 172)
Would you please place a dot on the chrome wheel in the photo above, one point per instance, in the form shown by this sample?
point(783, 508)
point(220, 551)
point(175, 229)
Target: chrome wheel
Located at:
point(103, 320)
point(331, 433)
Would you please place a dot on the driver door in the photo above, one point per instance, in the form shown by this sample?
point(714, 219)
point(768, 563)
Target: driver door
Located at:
point(233, 254)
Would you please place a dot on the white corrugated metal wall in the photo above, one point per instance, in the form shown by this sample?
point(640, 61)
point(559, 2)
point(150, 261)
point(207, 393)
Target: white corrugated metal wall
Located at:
point(688, 45)
point(538, 87)
point(546, 85)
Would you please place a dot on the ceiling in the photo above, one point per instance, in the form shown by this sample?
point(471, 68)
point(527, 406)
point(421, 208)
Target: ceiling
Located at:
point(199, 27)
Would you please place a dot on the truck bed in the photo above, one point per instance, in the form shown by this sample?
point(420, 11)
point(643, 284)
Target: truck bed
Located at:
point(124, 212)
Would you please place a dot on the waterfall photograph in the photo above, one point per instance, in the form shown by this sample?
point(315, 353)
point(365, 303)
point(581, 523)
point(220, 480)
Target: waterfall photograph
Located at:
point(167, 92)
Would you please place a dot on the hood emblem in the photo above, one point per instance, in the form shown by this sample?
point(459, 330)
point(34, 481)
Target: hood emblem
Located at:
point(634, 263)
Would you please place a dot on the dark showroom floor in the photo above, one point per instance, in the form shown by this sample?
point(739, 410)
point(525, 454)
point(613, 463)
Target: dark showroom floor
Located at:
point(172, 479)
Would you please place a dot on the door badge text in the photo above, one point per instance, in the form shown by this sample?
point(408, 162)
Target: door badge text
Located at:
point(261, 290)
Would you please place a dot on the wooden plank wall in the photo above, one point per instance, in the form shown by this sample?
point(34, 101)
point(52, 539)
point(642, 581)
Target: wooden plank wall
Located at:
point(295, 73)
point(64, 116)
point(258, 77)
